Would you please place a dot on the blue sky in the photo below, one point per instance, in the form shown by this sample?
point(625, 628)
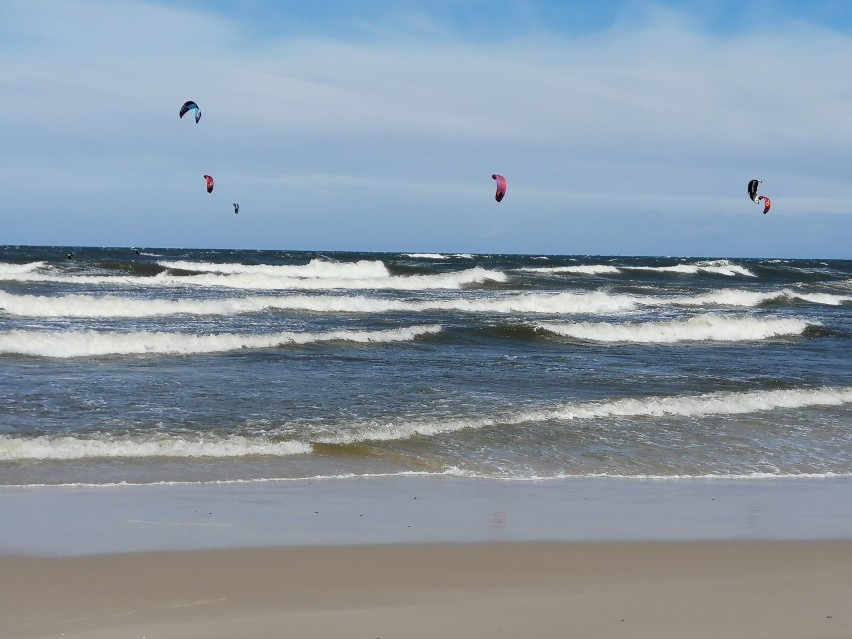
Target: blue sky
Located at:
point(623, 127)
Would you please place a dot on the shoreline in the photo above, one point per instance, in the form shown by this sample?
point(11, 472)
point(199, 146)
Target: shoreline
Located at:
point(429, 557)
point(57, 521)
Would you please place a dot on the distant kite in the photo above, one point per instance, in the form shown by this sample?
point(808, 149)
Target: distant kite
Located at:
point(752, 193)
point(501, 186)
point(236, 208)
point(752, 189)
point(209, 183)
point(188, 106)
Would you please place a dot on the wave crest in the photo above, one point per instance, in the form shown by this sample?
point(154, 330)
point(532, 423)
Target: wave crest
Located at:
point(703, 328)
point(67, 344)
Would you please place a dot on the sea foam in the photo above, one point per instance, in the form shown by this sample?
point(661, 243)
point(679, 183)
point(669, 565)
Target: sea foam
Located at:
point(706, 327)
point(16, 269)
point(316, 275)
point(362, 269)
point(58, 447)
point(114, 306)
point(723, 403)
point(65, 344)
point(175, 445)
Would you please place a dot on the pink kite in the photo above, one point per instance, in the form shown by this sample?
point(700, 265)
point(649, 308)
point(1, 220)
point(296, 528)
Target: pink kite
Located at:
point(209, 183)
point(501, 186)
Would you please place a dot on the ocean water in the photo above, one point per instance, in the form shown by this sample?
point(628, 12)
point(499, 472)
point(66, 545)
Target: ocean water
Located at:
point(171, 365)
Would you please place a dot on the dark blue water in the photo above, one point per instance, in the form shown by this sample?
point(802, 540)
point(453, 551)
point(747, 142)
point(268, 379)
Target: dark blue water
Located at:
point(198, 365)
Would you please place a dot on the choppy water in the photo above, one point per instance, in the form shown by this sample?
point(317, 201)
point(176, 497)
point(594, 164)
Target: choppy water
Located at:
point(199, 365)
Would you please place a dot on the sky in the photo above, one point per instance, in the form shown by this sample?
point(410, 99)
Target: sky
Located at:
point(623, 127)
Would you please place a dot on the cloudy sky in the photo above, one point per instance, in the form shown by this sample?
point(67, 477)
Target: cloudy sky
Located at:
point(622, 126)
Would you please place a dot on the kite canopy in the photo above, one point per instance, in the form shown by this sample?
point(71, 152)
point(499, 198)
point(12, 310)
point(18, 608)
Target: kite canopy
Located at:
point(501, 186)
point(766, 203)
point(188, 106)
point(752, 190)
point(209, 183)
point(236, 208)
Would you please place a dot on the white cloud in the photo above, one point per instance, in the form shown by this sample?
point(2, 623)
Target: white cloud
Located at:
point(657, 120)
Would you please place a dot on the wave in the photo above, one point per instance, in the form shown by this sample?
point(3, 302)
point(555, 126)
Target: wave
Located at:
point(713, 328)
point(752, 298)
point(715, 267)
point(115, 306)
point(262, 281)
point(65, 447)
point(106, 445)
point(17, 269)
point(316, 268)
point(426, 256)
point(590, 269)
point(67, 344)
point(438, 256)
point(259, 280)
point(712, 404)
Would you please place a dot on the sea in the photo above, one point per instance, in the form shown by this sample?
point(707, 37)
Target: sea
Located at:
point(158, 366)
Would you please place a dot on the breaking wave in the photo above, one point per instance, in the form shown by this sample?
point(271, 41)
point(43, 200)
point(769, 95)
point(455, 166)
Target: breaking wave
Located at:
point(725, 403)
point(715, 267)
point(58, 447)
point(66, 344)
point(591, 269)
point(114, 306)
point(316, 275)
point(16, 269)
point(712, 328)
point(751, 298)
point(362, 269)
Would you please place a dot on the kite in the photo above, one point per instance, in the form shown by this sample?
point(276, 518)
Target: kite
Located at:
point(209, 183)
point(501, 186)
point(188, 106)
point(752, 190)
point(752, 193)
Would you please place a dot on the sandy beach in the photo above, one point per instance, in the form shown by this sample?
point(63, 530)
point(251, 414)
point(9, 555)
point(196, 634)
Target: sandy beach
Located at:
point(428, 557)
point(646, 589)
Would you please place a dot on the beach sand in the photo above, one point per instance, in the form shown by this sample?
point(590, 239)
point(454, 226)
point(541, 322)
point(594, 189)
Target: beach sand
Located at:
point(573, 589)
point(428, 557)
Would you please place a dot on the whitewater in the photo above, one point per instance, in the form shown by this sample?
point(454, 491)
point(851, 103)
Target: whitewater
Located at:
point(173, 365)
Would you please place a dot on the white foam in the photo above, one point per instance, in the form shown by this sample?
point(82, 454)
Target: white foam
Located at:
point(193, 445)
point(108, 446)
point(426, 256)
point(734, 297)
point(115, 306)
point(277, 281)
point(17, 269)
point(588, 269)
point(726, 403)
point(263, 281)
point(701, 328)
point(65, 344)
point(717, 267)
point(316, 268)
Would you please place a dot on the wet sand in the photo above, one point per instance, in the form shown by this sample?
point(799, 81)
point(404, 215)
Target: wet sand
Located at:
point(428, 557)
point(573, 589)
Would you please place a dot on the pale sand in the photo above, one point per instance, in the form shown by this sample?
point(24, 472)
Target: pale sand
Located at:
point(713, 589)
point(429, 557)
